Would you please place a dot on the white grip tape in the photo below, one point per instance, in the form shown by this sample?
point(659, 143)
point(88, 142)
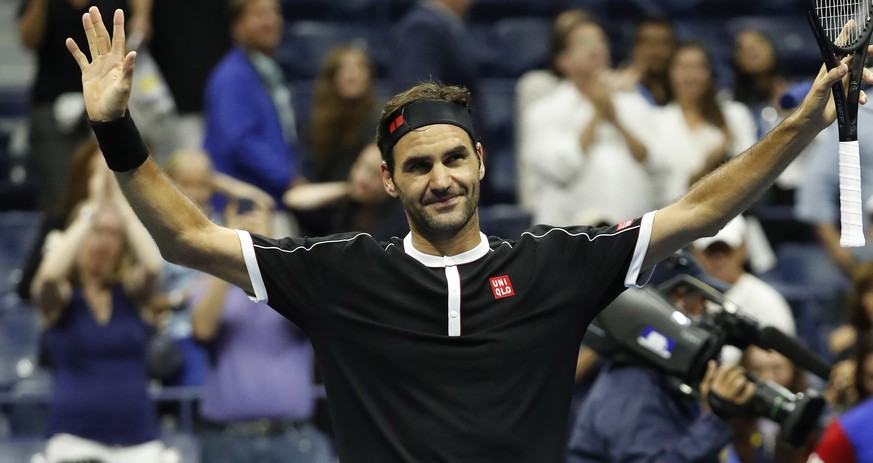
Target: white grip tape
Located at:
point(851, 219)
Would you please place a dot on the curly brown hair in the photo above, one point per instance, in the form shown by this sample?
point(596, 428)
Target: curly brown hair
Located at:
point(423, 91)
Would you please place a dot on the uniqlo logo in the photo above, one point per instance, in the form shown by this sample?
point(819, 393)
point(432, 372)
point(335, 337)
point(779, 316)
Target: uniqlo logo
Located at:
point(502, 287)
point(623, 225)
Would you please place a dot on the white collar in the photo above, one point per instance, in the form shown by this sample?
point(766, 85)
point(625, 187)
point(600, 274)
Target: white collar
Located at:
point(446, 261)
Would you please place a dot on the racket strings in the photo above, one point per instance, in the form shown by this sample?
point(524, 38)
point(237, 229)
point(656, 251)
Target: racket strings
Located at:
point(844, 21)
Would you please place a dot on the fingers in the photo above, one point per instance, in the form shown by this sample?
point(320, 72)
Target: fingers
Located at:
point(80, 57)
point(118, 33)
point(103, 42)
point(128, 65)
point(91, 34)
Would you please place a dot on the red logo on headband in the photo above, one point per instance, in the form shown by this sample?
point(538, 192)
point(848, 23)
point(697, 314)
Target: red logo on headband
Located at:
point(397, 123)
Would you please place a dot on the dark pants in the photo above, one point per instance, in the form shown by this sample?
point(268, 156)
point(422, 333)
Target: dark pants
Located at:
point(247, 443)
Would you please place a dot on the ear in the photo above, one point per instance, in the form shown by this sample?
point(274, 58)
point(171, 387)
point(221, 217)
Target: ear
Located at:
point(387, 180)
point(480, 152)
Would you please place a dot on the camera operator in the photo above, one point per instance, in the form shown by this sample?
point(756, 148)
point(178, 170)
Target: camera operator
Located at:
point(635, 413)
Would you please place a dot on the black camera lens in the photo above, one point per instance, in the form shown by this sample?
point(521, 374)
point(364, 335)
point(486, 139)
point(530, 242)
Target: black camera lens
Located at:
point(797, 414)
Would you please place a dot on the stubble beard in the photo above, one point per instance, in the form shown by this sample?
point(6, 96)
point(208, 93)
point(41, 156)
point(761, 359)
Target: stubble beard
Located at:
point(431, 227)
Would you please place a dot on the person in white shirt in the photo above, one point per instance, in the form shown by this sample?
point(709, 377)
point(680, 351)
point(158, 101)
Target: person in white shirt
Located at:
point(722, 257)
point(585, 145)
point(700, 132)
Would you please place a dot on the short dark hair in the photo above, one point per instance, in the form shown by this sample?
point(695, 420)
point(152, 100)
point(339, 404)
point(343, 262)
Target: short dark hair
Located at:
point(423, 91)
point(652, 20)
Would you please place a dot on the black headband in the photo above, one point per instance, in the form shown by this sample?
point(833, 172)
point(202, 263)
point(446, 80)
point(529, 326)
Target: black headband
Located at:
point(419, 114)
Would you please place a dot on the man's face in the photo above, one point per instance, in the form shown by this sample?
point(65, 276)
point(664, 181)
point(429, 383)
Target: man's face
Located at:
point(259, 26)
point(653, 47)
point(722, 261)
point(436, 176)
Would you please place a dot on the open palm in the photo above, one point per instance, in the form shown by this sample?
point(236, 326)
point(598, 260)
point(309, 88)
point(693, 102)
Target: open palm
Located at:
point(106, 80)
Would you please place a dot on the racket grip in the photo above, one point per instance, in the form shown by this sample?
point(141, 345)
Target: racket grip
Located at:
point(851, 215)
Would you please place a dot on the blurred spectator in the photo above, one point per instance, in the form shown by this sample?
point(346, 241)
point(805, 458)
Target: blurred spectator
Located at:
point(757, 440)
point(723, 257)
point(368, 207)
point(186, 73)
point(843, 341)
point(361, 202)
point(847, 438)
point(537, 83)
point(700, 132)
point(345, 112)
point(431, 44)
point(92, 289)
point(57, 113)
point(191, 171)
point(585, 145)
point(636, 413)
point(758, 81)
point(818, 194)
point(85, 161)
point(654, 41)
point(250, 128)
point(259, 394)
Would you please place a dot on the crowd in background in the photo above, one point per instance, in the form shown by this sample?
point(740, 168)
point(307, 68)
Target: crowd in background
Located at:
point(595, 142)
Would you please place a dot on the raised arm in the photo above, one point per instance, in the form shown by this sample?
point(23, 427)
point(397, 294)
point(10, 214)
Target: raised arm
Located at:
point(732, 188)
point(183, 234)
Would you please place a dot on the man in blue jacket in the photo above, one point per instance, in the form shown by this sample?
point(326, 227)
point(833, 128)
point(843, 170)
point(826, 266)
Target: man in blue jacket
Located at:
point(250, 129)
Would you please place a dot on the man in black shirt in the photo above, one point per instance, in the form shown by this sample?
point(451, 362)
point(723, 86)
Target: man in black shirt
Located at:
point(445, 345)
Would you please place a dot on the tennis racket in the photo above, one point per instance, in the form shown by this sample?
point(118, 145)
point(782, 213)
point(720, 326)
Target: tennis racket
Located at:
point(842, 28)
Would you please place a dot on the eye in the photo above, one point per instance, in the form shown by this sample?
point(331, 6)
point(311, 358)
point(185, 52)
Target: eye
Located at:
point(417, 167)
point(455, 158)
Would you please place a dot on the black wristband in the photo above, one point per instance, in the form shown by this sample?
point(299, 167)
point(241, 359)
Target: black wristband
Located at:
point(121, 143)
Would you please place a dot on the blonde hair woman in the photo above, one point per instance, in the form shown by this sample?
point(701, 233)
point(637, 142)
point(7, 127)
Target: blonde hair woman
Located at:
point(91, 287)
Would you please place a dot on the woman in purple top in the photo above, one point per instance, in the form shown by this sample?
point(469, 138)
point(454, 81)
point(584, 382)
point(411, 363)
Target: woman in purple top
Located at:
point(91, 287)
point(259, 395)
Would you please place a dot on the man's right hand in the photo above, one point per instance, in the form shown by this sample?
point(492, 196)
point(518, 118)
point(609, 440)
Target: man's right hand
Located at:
point(728, 382)
point(106, 80)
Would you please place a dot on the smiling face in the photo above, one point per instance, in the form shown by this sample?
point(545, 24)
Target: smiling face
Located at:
point(436, 176)
point(690, 73)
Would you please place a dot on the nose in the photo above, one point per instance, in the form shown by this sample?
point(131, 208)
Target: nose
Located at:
point(440, 178)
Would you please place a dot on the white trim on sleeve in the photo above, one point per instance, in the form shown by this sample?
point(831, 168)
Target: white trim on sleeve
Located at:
point(248, 250)
point(633, 279)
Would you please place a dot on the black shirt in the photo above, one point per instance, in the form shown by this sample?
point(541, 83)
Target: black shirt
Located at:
point(468, 358)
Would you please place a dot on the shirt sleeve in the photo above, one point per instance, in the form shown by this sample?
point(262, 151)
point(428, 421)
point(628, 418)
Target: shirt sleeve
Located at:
point(602, 261)
point(834, 446)
point(292, 274)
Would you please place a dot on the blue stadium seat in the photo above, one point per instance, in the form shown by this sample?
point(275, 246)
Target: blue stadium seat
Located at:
point(494, 108)
point(17, 232)
point(523, 44)
point(306, 44)
point(814, 287)
point(19, 337)
point(23, 450)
